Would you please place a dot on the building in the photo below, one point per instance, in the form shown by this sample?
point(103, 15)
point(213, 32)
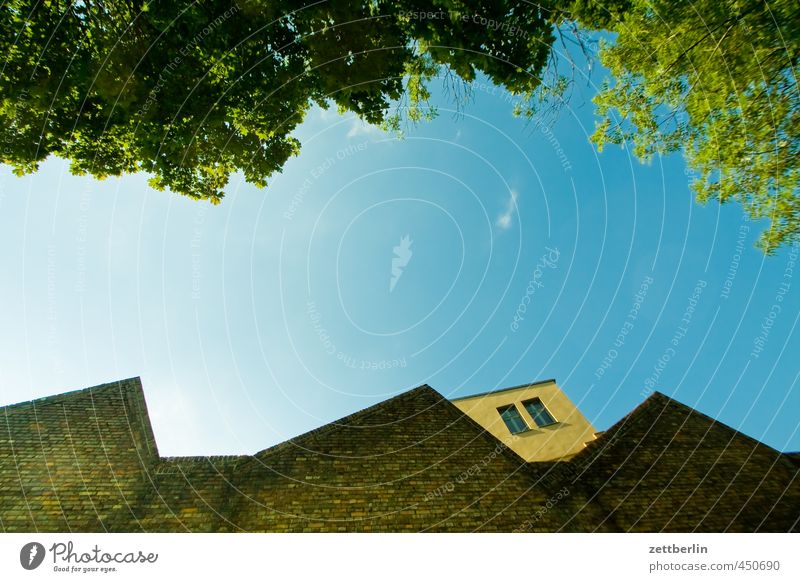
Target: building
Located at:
point(537, 421)
point(87, 461)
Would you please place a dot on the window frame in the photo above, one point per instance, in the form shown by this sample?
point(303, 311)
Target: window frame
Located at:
point(544, 408)
point(513, 406)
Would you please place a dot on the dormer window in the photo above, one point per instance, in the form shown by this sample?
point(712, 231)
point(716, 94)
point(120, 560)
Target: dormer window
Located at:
point(512, 418)
point(539, 413)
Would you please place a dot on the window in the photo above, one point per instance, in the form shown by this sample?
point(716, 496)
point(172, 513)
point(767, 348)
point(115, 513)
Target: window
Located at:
point(540, 415)
point(512, 418)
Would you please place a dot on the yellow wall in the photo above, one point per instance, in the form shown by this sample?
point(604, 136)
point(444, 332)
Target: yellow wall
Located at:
point(563, 439)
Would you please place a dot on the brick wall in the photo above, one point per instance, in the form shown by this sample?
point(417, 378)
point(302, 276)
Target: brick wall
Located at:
point(87, 461)
point(74, 462)
point(667, 467)
point(413, 463)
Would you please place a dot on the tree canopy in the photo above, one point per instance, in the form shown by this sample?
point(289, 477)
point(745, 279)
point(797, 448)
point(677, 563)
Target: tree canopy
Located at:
point(716, 79)
point(194, 91)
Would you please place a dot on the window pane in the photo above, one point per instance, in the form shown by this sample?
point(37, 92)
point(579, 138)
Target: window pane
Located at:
point(513, 419)
point(538, 412)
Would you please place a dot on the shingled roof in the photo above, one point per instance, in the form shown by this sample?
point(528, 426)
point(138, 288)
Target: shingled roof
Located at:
point(666, 466)
point(87, 461)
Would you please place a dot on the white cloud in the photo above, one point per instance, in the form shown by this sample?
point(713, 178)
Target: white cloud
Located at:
point(328, 114)
point(505, 219)
point(359, 127)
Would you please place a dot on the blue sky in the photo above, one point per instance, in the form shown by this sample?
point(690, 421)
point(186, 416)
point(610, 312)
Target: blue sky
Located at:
point(528, 256)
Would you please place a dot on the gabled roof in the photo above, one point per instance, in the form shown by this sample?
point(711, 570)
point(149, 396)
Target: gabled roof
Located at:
point(356, 421)
point(349, 421)
point(136, 409)
point(137, 417)
point(389, 467)
point(662, 405)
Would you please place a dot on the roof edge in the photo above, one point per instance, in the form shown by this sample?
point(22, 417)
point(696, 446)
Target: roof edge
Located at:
point(499, 390)
point(131, 392)
point(134, 382)
point(364, 413)
point(719, 422)
point(345, 420)
point(652, 400)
